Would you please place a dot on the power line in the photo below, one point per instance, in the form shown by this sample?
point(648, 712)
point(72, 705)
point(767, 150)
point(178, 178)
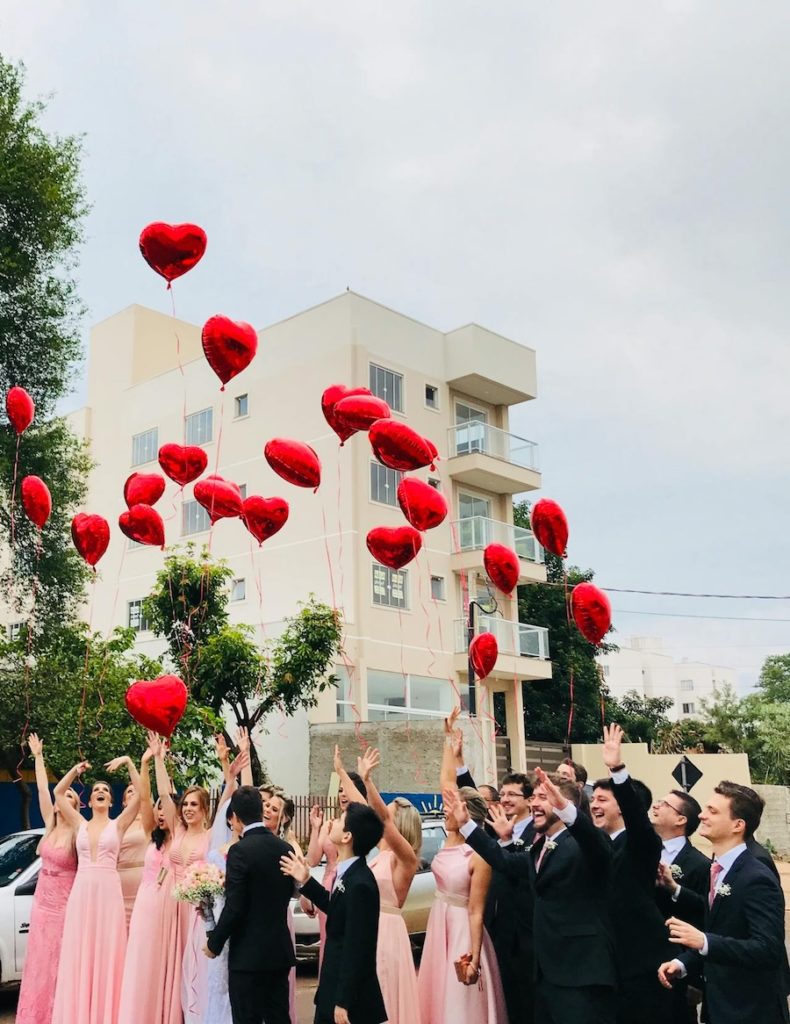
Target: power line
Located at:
point(684, 593)
point(690, 615)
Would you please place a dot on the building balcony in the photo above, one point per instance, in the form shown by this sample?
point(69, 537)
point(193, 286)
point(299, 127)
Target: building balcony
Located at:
point(491, 459)
point(523, 648)
point(471, 536)
point(485, 365)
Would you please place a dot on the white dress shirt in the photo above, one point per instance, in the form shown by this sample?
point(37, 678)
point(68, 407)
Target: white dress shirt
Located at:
point(342, 868)
point(670, 848)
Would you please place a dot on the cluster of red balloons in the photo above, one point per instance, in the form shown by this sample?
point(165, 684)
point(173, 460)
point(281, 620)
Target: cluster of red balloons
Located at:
point(36, 499)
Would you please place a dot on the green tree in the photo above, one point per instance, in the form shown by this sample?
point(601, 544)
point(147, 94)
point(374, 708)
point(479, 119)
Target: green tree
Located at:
point(42, 206)
point(774, 682)
point(222, 662)
point(641, 718)
point(547, 702)
point(71, 692)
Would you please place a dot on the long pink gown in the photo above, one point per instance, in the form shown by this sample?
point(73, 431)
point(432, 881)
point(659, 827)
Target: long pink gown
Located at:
point(394, 961)
point(141, 992)
point(47, 918)
point(442, 996)
point(131, 862)
point(179, 920)
point(94, 936)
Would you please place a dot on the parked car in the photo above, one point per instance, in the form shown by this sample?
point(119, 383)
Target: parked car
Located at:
point(416, 908)
point(19, 868)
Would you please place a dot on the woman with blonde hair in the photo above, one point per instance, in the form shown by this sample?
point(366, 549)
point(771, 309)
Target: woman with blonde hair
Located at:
point(58, 869)
point(394, 868)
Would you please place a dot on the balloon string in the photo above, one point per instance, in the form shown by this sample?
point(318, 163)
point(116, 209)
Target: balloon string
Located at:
point(85, 669)
point(341, 567)
point(13, 489)
point(570, 709)
point(105, 660)
point(601, 686)
point(219, 434)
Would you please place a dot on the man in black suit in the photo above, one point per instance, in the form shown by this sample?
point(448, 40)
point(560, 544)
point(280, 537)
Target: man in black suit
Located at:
point(741, 951)
point(348, 988)
point(619, 808)
point(569, 866)
point(255, 919)
point(682, 867)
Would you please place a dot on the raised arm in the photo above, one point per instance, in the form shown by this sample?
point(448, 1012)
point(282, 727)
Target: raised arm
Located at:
point(404, 852)
point(500, 858)
point(45, 804)
point(351, 791)
point(315, 846)
point(596, 847)
point(243, 743)
point(146, 813)
point(164, 789)
point(641, 838)
point(69, 813)
point(447, 776)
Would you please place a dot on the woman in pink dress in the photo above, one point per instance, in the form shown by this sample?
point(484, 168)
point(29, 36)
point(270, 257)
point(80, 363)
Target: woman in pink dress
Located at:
point(141, 991)
point(188, 825)
point(394, 869)
point(278, 813)
point(58, 868)
point(90, 972)
point(136, 838)
point(455, 926)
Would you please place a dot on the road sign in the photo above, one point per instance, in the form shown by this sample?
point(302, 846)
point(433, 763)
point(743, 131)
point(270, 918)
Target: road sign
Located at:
point(686, 774)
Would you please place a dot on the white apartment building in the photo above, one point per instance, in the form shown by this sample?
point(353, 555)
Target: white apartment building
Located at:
point(642, 665)
point(405, 642)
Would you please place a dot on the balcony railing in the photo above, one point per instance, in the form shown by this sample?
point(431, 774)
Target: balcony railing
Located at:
point(477, 532)
point(512, 637)
point(477, 436)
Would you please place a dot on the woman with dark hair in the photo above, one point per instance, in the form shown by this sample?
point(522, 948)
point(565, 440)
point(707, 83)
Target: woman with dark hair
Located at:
point(90, 972)
point(58, 868)
point(141, 992)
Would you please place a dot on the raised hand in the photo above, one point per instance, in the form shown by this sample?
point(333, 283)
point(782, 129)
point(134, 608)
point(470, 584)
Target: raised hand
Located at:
point(369, 761)
point(116, 763)
point(500, 822)
point(296, 866)
point(316, 817)
point(240, 762)
point(35, 744)
point(83, 766)
point(154, 744)
point(668, 972)
point(449, 722)
point(558, 801)
point(338, 760)
point(242, 739)
point(456, 806)
point(612, 739)
point(457, 740)
point(223, 753)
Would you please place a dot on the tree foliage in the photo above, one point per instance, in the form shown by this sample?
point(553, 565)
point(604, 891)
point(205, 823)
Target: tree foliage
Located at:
point(641, 718)
point(547, 702)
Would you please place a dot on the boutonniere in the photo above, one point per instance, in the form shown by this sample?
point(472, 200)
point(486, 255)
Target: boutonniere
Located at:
point(676, 871)
point(518, 842)
point(339, 887)
point(723, 890)
point(550, 845)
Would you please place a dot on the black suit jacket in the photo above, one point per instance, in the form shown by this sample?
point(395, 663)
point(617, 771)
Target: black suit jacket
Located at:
point(760, 852)
point(641, 939)
point(693, 876)
point(348, 971)
point(255, 915)
point(571, 923)
point(744, 968)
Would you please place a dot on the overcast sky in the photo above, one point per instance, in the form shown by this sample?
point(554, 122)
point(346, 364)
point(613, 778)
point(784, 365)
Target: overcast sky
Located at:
point(606, 183)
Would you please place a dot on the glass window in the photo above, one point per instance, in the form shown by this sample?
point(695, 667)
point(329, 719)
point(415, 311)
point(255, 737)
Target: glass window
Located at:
point(606, 670)
point(438, 588)
point(432, 841)
point(469, 505)
point(135, 617)
point(384, 483)
point(238, 591)
point(200, 427)
point(431, 396)
point(388, 385)
point(241, 406)
point(470, 433)
point(17, 852)
point(243, 490)
point(386, 688)
point(145, 446)
point(14, 630)
point(389, 587)
point(194, 518)
point(687, 684)
point(688, 709)
point(429, 694)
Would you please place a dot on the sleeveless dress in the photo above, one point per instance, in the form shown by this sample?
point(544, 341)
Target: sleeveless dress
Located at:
point(448, 936)
point(47, 917)
point(141, 991)
point(131, 861)
point(179, 919)
point(394, 961)
point(94, 936)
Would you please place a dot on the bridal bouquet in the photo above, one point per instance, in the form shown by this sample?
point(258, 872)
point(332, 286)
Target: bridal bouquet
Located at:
point(201, 885)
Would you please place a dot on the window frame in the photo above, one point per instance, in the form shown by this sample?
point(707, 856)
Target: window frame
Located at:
point(188, 505)
point(234, 583)
point(144, 625)
point(383, 472)
point(192, 417)
point(371, 384)
point(241, 415)
point(143, 433)
point(435, 387)
point(378, 567)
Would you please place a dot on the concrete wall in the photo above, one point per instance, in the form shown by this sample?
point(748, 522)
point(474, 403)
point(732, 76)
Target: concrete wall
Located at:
point(776, 818)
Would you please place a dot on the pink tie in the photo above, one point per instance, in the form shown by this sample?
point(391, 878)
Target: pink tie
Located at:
point(540, 857)
point(715, 870)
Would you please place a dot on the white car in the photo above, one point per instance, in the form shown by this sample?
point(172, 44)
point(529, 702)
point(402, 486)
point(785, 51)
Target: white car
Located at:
point(416, 908)
point(19, 868)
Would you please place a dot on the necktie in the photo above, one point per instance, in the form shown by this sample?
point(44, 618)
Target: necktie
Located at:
point(540, 857)
point(715, 870)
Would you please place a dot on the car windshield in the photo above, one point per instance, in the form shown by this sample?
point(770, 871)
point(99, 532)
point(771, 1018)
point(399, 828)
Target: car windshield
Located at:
point(17, 852)
point(433, 838)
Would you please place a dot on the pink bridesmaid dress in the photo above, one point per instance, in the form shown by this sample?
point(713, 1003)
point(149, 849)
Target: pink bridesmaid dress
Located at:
point(131, 862)
point(47, 918)
point(448, 936)
point(94, 936)
point(394, 961)
point(179, 920)
point(141, 992)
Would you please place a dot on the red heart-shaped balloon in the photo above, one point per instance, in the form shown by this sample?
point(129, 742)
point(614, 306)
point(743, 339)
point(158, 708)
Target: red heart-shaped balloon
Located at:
point(263, 517)
point(157, 704)
point(220, 498)
point(423, 505)
point(394, 546)
point(172, 249)
point(36, 500)
point(182, 463)
point(357, 412)
point(550, 526)
point(229, 346)
point(144, 525)
point(592, 611)
point(294, 461)
point(91, 535)
point(398, 446)
point(143, 489)
point(20, 409)
point(483, 653)
point(502, 566)
point(329, 399)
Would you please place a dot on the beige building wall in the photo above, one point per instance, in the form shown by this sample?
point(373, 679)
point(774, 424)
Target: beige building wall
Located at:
point(147, 371)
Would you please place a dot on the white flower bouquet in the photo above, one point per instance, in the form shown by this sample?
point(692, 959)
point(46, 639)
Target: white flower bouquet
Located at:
point(201, 885)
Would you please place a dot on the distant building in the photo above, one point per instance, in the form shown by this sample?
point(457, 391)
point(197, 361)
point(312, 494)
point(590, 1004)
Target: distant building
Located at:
point(642, 665)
